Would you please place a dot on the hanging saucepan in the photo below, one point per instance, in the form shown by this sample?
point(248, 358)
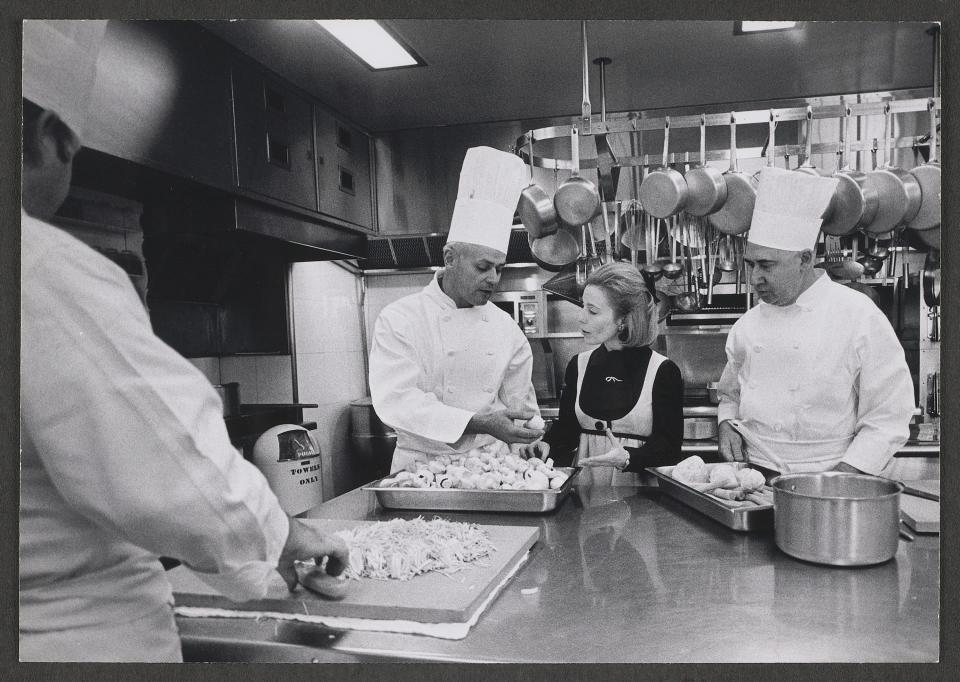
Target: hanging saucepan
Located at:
point(706, 188)
point(930, 238)
point(928, 175)
point(664, 191)
point(737, 211)
point(897, 190)
point(931, 279)
point(807, 165)
point(608, 169)
point(554, 251)
point(576, 200)
point(855, 201)
point(537, 212)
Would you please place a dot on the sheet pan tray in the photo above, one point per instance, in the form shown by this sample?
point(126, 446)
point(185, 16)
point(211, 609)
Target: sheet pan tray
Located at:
point(743, 518)
point(454, 499)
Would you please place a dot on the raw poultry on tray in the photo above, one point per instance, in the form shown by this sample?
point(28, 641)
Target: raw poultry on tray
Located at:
point(725, 480)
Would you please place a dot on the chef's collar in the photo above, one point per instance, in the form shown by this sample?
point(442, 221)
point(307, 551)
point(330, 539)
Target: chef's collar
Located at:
point(815, 294)
point(436, 292)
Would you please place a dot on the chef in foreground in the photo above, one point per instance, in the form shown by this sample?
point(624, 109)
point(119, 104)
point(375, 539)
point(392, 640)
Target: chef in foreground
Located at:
point(816, 378)
point(449, 370)
point(124, 452)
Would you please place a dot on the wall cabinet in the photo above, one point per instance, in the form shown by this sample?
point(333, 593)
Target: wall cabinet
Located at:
point(163, 99)
point(173, 97)
point(274, 137)
point(418, 173)
point(343, 170)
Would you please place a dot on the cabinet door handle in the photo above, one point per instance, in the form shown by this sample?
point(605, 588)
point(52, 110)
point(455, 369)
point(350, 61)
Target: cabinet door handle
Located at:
point(344, 138)
point(278, 152)
point(346, 183)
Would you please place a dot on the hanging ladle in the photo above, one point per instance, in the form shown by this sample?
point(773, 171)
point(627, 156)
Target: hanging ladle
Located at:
point(673, 269)
point(726, 262)
point(651, 268)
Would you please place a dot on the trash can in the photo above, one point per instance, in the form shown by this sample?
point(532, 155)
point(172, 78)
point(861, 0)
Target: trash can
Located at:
point(373, 442)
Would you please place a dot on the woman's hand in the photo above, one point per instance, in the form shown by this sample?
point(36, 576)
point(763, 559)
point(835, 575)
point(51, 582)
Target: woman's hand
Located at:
point(537, 449)
point(616, 456)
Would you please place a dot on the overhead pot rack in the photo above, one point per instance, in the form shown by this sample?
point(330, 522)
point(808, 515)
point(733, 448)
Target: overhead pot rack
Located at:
point(633, 122)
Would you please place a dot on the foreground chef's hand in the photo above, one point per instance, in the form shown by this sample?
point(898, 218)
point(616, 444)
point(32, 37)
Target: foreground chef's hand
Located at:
point(304, 543)
point(500, 425)
point(730, 442)
point(616, 456)
point(537, 449)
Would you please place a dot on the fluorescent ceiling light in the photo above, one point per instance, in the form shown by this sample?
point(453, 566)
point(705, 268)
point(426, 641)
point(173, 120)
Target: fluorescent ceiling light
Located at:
point(757, 26)
point(370, 41)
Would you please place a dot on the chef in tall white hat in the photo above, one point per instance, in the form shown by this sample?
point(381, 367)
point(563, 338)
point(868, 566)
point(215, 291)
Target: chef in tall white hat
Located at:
point(124, 452)
point(815, 378)
point(449, 370)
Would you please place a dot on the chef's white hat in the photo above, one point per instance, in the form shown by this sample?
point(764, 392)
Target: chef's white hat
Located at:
point(59, 66)
point(490, 185)
point(789, 209)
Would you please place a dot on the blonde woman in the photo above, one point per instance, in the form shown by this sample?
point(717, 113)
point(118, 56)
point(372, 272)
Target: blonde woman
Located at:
point(621, 408)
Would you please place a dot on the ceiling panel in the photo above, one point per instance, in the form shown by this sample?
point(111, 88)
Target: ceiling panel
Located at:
point(499, 70)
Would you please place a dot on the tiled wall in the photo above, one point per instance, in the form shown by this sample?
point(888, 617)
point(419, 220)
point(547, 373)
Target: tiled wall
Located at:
point(385, 289)
point(262, 378)
point(330, 363)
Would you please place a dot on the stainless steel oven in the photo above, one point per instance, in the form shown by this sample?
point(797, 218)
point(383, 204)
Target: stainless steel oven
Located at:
point(527, 308)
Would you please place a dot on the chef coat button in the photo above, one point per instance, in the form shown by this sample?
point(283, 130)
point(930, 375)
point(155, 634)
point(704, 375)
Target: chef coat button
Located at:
point(752, 384)
point(446, 318)
point(778, 426)
point(796, 346)
point(488, 389)
point(489, 352)
point(451, 352)
point(450, 389)
point(757, 348)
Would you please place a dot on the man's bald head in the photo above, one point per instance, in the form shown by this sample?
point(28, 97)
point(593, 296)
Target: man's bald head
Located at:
point(471, 272)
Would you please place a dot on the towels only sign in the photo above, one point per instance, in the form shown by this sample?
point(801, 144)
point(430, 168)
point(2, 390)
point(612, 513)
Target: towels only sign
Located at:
point(305, 471)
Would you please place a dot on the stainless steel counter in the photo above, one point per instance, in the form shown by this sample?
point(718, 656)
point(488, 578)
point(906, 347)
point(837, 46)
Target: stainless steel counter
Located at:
point(709, 447)
point(629, 575)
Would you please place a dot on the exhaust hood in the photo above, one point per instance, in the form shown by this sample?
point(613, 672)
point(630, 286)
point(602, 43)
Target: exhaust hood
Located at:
point(408, 251)
point(306, 239)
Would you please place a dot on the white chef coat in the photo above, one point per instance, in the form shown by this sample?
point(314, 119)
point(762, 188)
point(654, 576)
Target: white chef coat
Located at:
point(818, 382)
point(125, 457)
point(433, 366)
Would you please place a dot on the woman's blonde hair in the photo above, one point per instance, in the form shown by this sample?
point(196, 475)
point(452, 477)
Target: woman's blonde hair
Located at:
point(627, 293)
